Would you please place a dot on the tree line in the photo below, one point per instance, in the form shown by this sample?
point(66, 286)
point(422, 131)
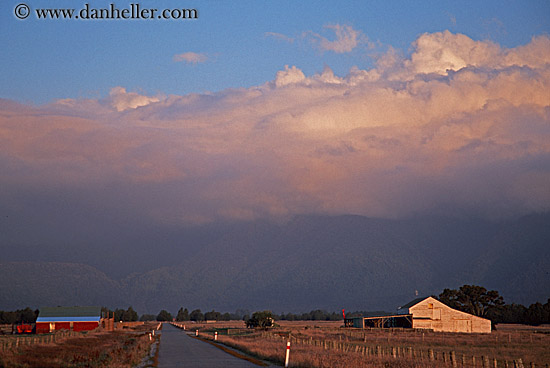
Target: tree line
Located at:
point(19, 316)
point(195, 315)
point(481, 302)
point(472, 299)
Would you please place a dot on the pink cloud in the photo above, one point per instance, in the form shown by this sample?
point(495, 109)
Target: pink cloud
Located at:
point(191, 58)
point(460, 124)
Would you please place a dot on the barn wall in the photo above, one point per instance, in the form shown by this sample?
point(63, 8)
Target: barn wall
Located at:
point(62, 326)
point(432, 314)
point(42, 327)
point(85, 326)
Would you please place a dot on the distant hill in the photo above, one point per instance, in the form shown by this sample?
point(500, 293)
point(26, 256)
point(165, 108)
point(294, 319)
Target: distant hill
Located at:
point(311, 262)
point(38, 284)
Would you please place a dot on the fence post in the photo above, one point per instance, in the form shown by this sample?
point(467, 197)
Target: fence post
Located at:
point(287, 354)
point(453, 359)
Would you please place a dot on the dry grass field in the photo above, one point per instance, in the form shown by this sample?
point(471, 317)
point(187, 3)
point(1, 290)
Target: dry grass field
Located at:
point(326, 344)
point(122, 348)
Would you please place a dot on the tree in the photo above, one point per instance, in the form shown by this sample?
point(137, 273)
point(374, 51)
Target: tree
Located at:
point(164, 316)
point(196, 316)
point(472, 299)
point(183, 315)
point(509, 313)
point(536, 314)
point(118, 314)
point(130, 315)
point(26, 315)
point(262, 319)
point(212, 316)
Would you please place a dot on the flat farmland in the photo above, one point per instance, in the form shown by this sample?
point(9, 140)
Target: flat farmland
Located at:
point(327, 344)
point(122, 348)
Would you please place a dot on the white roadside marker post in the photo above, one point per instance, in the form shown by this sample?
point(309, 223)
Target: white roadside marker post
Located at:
point(287, 353)
point(216, 336)
point(196, 332)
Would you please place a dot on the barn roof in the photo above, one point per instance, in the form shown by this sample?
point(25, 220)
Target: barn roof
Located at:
point(413, 302)
point(65, 314)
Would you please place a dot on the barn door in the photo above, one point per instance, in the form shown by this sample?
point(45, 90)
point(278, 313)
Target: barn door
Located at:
point(462, 325)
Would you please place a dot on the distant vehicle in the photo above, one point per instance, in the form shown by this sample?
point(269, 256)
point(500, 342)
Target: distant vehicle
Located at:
point(25, 328)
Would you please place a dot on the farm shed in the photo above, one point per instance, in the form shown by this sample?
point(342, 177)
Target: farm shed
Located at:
point(51, 319)
point(426, 313)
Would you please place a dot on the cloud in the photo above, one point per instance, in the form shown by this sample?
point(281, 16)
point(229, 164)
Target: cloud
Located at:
point(289, 76)
point(122, 100)
point(191, 58)
point(346, 40)
point(279, 36)
point(460, 126)
point(444, 51)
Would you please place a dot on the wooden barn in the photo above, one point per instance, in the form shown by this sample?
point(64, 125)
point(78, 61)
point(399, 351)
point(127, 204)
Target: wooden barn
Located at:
point(426, 313)
point(51, 319)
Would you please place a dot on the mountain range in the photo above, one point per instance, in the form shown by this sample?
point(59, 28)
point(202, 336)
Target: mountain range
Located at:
point(306, 263)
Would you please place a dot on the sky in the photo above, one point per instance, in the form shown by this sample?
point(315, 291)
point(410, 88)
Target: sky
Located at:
point(269, 109)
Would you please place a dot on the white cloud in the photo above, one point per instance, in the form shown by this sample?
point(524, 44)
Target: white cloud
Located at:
point(289, 76)
point(122, 100)
point(191, 58)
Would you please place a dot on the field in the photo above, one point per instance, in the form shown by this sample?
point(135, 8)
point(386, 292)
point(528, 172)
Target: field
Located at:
point(122, 348)
point(326, 344)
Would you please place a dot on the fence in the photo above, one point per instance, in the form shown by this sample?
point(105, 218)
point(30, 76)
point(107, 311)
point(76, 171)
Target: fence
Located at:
point(15, 341)
point(444, 358)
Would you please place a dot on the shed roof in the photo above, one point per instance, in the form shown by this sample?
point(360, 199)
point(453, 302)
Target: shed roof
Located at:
point(57, 314)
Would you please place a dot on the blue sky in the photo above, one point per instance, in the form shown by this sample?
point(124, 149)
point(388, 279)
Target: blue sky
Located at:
point(45, 60)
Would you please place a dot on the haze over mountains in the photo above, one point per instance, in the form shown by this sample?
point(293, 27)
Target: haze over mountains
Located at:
point(309, 262)
point(242, 197)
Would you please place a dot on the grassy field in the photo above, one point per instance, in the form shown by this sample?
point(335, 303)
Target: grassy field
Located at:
point(326, 344)
point(122, 348)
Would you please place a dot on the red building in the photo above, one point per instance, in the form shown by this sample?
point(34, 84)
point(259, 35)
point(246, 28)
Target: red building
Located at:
point(51, 319)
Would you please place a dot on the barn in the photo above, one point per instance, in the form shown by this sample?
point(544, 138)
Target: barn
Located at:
point(425, 313)
point(51, 319)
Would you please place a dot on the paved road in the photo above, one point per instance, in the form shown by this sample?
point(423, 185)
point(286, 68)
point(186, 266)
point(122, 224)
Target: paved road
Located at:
point(176, 350)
